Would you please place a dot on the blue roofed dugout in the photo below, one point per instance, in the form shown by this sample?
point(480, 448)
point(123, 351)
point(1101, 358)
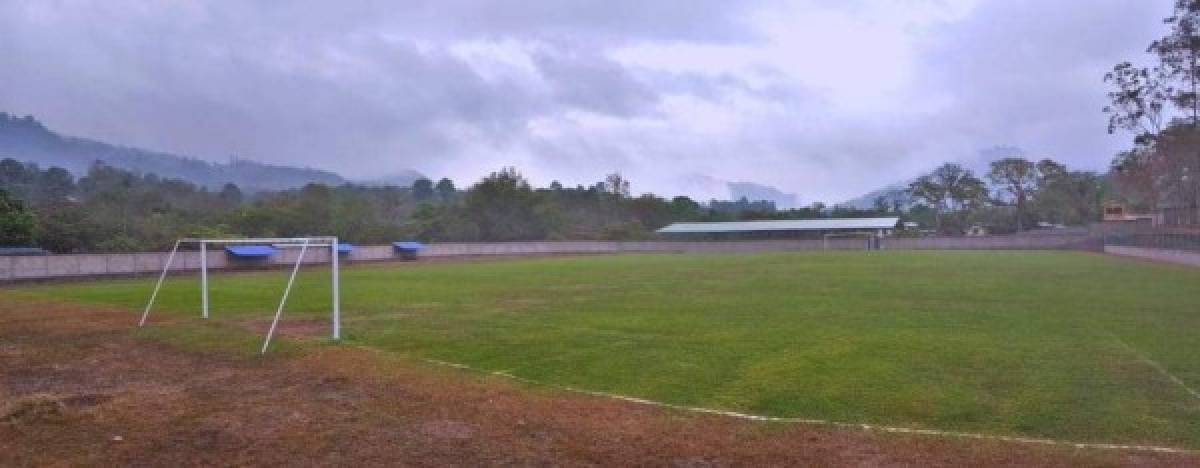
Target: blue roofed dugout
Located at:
point(408, 249)
point(408, 245)
point(345, 248)
point(250, 251)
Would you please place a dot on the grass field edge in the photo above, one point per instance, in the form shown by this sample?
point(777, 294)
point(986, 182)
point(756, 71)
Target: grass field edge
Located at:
point(815, 422)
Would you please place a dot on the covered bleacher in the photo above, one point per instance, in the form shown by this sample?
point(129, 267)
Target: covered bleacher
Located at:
point(789, 228)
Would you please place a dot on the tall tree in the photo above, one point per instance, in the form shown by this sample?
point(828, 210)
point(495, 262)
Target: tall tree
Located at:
point(617, 185)
point(949, 188)
point(1179, 55)
point(445, 189)
point(1137, 100)
point(1018, 177)
point(1067, 197)
point(505, 207)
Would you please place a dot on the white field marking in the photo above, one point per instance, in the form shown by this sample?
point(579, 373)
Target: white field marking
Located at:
point(822, 422)
point(1158, 367)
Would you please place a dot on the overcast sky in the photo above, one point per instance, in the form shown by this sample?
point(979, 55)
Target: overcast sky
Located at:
point(826, 99)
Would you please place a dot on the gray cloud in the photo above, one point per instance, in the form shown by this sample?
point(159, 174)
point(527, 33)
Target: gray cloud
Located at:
point(587, 80)
point(457, 88)
point(319, 84)
point(1028, 73)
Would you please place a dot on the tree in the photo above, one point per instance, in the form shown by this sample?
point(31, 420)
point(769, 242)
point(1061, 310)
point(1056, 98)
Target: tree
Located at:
point(1139, 96)
point(66, 228)
point(422, 189)
point(1163, 174)
point(314, 212)
point(949, 188)
point(1137, 100)
point(54, 185)
point(684, 208)
point(616, 185)
point(445, 189)
point(1018, 177)
point(933, 194)
point(231, 194)
point(1179, 57)
point(505, 207)
point(16, 222)
point(1067, 197)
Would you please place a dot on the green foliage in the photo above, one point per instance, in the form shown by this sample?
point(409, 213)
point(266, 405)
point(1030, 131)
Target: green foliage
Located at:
point(1178, 53)
point(949, 190)
point(422, 189)
point(16, 223)
point(505, 208)
point(445, 189)
point(1068, 197)
point(109, 209)
point(1018, 177)
point(67, 228)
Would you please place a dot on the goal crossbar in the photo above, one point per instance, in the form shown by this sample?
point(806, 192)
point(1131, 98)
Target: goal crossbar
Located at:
point(303, 243)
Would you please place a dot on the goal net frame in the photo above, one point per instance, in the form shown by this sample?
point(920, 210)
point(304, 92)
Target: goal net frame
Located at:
point(872, 240)
point(303, 243)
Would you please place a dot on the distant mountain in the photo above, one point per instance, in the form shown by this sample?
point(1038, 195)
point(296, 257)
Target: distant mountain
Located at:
point(892, 195)
point(403, 178)
point(704, 187)
point(758, 192)
point(26, 139)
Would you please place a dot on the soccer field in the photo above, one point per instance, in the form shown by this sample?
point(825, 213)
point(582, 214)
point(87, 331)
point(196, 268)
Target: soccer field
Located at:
point(1060, 345)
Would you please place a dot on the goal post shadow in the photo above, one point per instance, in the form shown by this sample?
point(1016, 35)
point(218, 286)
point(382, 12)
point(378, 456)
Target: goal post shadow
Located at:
point(303, 243)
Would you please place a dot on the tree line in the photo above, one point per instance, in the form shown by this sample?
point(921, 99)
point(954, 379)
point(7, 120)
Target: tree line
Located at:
point(113, 210)
point(1017, 194)
point(110, 210)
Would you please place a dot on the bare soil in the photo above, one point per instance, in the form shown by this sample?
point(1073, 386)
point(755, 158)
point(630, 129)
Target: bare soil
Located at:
point(78, 388)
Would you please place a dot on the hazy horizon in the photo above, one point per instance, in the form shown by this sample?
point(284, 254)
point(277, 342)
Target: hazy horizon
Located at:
point(827, 101)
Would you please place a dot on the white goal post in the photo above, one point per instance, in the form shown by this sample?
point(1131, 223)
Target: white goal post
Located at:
point(303, 243)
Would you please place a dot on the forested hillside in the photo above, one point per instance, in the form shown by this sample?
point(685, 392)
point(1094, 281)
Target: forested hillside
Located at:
point(110, 209)
point(28, 140)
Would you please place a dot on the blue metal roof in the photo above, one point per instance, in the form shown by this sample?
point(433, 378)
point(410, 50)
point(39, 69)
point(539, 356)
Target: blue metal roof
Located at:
point(408, 245)
point(20, 251)
point(345, 247)
point(250, 251)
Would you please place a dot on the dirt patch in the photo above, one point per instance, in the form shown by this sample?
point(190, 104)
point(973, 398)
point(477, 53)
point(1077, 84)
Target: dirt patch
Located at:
point(292, 328)
point(89, 392)
point(86, 400)
point(448, 429)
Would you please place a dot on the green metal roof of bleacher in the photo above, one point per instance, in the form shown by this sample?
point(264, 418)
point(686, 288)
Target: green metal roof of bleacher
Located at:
point(824, 224)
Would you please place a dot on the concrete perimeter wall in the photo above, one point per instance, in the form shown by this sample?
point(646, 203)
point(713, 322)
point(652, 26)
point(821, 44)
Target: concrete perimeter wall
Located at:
point(84, 265)
point(1181, 257)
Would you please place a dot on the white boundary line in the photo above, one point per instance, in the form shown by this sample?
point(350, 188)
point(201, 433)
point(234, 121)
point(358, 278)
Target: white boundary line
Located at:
point(822, 422)
point(1158, 367)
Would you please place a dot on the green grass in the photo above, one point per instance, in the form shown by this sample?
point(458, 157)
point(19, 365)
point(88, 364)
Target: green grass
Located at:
point(1048, 344)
